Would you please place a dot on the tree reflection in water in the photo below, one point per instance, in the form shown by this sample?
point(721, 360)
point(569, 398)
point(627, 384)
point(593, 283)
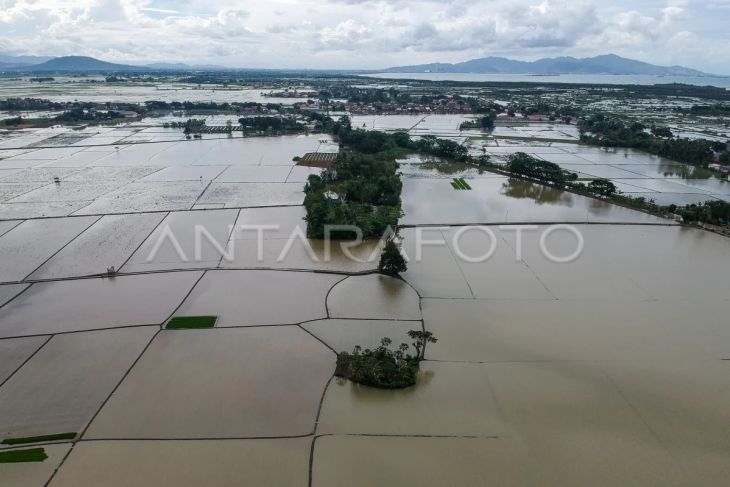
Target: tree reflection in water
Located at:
point(517, 188)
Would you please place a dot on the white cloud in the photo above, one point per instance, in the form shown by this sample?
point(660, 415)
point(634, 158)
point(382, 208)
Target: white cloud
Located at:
point(365, 33)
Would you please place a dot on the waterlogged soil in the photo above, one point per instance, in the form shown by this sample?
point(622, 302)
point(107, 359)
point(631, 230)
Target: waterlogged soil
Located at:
point(239, 298)
point(137, 171)
point(229, 463)
point(107, 243)
point(53, 307)
point(36, 473)
point(458, 395)
point(373, 297)
point(504, 200)
point(31, 243)
point(344, 335)
point(242, 195)
point(300, 253)
point(211, 384)
point(185, 240)
point(635, 173)
point(14, 352)
point(9, 291)
point(62, 386)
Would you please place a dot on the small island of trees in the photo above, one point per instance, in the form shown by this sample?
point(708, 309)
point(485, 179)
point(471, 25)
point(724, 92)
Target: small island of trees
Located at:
point(382, 367)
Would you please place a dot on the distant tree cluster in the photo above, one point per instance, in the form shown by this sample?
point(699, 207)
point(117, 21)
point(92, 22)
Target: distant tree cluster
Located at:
point(612, 132)
point(271, 124)
point(81, 115)
point(717, 109)
point(713, 212)
point(485, 122)
point(12, 122)
point(202, 105)
point(534, 168)
point(17, 104)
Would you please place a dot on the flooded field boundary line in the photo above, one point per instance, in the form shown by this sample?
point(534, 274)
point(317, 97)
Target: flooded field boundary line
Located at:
point(316, 426)
point(543, 223)
point(315, 337)
point(88, 425)
point(327, 295)
point(230, 240)
point(118, 188)
point(374, 435)
point(120, 213)
point(26, 360)
point(182, 301)
point(194, 269)
point(657, 437)
point(532, 271)
point(70, 332)
point(121, 142)
point(16, 296)
point(141, 243)
point(63, 247)
point(9, 201)
point(458, 266)
point(18, 222)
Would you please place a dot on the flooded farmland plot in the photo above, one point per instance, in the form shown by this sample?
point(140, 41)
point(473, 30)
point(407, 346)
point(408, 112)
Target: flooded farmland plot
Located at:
point(505, 200)
point(50, 307)
point(129, 176)
point(189, 463)
point(183, 402)
point(33, 474)
point(61, 387)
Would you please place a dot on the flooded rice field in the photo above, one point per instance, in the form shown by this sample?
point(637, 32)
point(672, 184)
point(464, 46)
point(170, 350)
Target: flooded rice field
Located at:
point(500, 199)
point(93, 89)
point(131, 176)
point(635, 173)
point(606, 368)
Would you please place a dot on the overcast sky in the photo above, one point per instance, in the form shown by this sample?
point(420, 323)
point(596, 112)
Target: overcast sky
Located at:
point(368, 33)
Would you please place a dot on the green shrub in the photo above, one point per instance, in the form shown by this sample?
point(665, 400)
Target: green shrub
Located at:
point(39, 439)
point(191, 322)
point(21, 456)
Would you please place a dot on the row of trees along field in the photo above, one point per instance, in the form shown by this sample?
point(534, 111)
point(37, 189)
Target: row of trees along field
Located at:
point(601, 130)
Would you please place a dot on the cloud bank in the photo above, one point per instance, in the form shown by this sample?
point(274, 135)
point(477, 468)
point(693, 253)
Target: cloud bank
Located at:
point(366, 33)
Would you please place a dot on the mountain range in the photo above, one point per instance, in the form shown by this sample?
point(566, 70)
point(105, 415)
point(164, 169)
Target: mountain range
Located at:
point(606, 64)
point(85, 64)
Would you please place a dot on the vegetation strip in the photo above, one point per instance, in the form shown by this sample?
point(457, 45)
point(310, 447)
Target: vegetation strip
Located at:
point(191, 322)
point(22, 456)
point(460, 183)
point(39, 439)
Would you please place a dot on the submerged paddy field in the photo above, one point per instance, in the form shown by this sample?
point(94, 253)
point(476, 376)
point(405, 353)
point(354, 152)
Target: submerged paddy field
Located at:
point(210, 359)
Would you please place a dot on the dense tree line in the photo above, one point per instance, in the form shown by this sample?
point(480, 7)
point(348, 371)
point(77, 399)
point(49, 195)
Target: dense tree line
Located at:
point(534, 168)
point(717, 109)
point(362, 188)
point(201, 105)
point(485, 122)
point(17, 104)
point(81, 115)
point(12, 122)
point(713, 212)
point(611, 132)
point(271, 124)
